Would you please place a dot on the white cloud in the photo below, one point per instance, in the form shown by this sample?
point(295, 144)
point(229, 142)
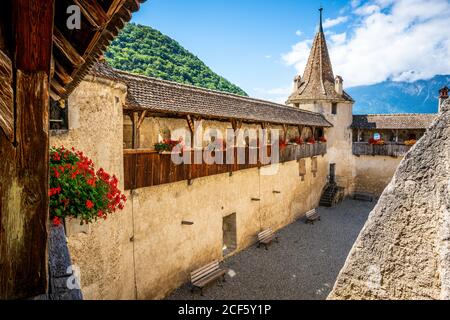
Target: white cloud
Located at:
point(328, 23)
point(400, 40)
point(268, 56)
point(298, 33)
point(278, 95)
point(339, 38)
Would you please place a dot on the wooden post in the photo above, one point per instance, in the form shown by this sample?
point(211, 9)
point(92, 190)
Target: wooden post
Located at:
point(136, 131)
point(24, 164)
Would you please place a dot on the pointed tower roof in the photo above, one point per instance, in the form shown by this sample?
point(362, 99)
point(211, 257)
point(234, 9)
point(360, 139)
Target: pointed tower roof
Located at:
point(318, 82)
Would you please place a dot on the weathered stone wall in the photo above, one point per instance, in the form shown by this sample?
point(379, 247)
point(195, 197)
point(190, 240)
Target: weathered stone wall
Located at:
point(167, 251)
point(403, 250)
point(339, 139)
point(144, 251)
point(103, 251)
point(373, 173)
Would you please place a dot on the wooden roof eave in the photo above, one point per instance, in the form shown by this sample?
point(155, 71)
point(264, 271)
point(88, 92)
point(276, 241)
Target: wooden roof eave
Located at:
point(106, 25)
point(129, 107)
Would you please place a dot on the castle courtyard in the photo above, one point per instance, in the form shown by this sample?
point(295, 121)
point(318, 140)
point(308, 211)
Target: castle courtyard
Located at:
point(303, 265)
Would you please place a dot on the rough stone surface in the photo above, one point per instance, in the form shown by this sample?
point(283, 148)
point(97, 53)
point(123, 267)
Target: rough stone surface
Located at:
point(303, 265)
point(403, 250)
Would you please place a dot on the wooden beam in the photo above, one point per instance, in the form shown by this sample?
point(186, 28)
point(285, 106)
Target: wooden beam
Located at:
point(58, 88)
point(136, 131)
point(24, 165)
point(6, 97)
point(67, 49)
point(190, 123)
point(93, 12)
point(62, 74)
point(141, 118)
point(115, 6)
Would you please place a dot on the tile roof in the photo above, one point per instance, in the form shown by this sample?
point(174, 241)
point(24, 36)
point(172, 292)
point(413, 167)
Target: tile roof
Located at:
point(393, 121)
point(162, 96)
point(318, 82)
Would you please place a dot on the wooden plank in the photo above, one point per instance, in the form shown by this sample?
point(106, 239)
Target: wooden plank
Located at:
point(67, 49)
point(6, 97)
point(24, 168)
point(93, 12)
point(24, 195)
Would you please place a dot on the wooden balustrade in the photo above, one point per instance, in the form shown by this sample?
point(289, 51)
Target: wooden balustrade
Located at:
point(390, 149)
point(145, 168)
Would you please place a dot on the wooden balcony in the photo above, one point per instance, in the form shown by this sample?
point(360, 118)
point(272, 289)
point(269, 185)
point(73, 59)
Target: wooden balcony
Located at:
point(145, 168)
point(390, 149)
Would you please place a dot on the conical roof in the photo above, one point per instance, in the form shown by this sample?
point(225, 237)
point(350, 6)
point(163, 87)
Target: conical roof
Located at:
point(318, 82)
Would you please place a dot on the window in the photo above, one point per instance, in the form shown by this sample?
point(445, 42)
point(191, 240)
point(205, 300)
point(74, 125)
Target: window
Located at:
point(59, 115)
point(229, 234)
point(334, 108)
point(302, 168)
point(314, 166)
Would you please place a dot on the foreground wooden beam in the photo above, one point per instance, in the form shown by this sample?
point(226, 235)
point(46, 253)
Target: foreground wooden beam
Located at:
point(24, 164)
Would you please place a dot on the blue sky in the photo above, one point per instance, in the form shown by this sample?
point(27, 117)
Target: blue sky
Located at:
point(261, 45)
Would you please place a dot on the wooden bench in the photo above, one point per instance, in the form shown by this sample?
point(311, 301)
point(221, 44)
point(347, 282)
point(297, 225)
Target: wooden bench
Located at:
point(266, 237)
point(205, 275)
point(364, 196)
point(312, 216)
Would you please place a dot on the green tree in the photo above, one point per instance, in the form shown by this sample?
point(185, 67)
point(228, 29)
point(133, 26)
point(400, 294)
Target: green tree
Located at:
point(144, 50)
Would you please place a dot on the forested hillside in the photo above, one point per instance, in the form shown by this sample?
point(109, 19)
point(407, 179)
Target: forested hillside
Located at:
point(144, 50)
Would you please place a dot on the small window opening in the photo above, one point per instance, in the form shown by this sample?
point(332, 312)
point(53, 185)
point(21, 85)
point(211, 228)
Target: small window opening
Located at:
point(334, 108)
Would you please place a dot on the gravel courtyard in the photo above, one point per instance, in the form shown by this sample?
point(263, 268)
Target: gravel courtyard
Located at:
point(303, 265)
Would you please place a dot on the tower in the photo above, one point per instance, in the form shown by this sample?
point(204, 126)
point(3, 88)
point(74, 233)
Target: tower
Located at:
point(318, 90)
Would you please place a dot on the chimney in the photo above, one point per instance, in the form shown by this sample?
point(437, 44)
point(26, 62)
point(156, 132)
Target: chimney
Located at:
point(297, 82)
point(339, 85)
point(443, 95)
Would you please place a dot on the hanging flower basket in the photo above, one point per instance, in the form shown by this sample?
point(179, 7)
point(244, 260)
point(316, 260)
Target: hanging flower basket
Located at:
point(166, 146)
point(78, 191)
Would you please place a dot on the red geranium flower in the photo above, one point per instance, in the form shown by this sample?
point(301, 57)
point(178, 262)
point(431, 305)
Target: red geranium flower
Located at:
point(89, 204)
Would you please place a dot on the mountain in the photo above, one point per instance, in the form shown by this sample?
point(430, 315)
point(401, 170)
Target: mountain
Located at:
point(420, 96)
point(144, 50)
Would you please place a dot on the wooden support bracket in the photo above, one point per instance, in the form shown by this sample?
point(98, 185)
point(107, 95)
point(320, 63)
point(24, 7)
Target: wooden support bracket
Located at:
point(141, 118)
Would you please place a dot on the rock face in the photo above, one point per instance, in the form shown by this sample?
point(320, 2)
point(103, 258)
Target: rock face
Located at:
point(403, 251)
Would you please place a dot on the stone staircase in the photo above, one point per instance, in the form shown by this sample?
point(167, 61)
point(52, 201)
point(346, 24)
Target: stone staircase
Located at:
point(331, 195)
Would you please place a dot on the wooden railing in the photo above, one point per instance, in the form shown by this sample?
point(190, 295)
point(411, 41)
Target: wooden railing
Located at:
point(145, 168)
point(390, 149)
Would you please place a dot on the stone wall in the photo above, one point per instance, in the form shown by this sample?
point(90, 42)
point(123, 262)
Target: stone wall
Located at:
point(403, 250)
point(144, 252)
point(373, 173)
point(103, 251)
point(167, 251)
